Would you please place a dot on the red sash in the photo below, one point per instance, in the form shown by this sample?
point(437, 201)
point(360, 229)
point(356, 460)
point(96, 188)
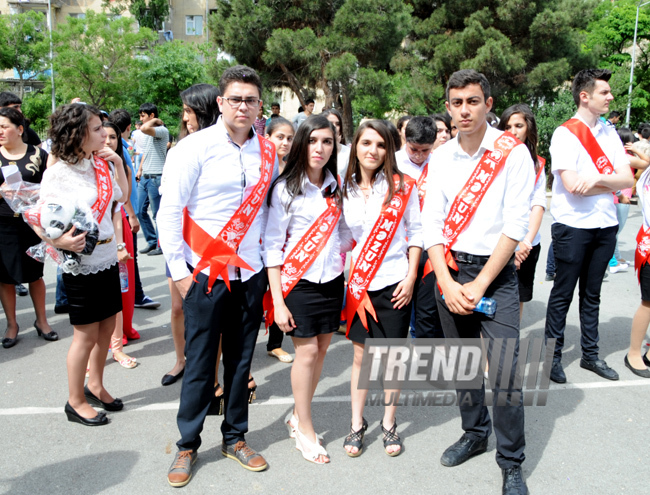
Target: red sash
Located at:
point(303, 255)
point(422, 185)
point(373, 252)
point(642, 250)
point(219, 252)
point(542, 164)
point(104, 194)
point(470, 196)
point(580, 130)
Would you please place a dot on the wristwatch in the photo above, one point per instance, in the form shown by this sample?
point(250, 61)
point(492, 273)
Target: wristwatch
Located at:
point(121, 246)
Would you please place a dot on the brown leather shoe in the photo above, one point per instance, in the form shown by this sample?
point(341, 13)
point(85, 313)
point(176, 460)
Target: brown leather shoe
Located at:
point(244, 455)
point(180, 472)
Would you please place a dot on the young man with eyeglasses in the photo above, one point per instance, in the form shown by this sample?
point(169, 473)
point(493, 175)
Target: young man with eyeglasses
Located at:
point(413, 160)
point(212, 217)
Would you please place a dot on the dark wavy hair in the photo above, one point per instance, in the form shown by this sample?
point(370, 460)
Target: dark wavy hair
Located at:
point(531, 133)
point(14, 116)
point(68, 130)
point(389, 167)
point(202, 98)
point(339, 117)
point(120, 146)
point(298, 160)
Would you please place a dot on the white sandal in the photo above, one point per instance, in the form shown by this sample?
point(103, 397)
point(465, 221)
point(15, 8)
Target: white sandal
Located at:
point(310, 451)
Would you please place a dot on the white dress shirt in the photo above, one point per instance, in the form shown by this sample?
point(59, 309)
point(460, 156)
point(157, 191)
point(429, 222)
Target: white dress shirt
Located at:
point(210, 175)
point(360, 217)
point(504, 208)
point(406, 166)
point(342, 160)
point(285, 229)
point(539, 199)
point(567, 153)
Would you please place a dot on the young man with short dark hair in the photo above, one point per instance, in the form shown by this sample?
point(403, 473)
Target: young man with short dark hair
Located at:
point(155, 138)
point(478, 198)
point(589, 164)
point(413, 160)
point(302, 116)
point(212, 217)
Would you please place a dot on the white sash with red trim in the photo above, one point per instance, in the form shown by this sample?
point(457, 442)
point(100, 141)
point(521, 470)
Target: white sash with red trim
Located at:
point(470, 196)
point(303, 255)
point(219, 252)
point(580, 130)
point(373, 252)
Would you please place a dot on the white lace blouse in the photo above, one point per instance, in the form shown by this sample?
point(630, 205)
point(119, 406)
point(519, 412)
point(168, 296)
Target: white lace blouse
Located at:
point(78, 183)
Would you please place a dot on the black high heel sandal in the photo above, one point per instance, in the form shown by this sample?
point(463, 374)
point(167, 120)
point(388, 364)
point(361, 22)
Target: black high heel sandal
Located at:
point(391, 438)
point(355, 439)
point(217, 404)
point(52, 336)
point(251, 390)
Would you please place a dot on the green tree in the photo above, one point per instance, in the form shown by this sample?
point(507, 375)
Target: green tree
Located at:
point(320, 44)
point(24, 47)
point(95, 58)
point(527, 50)
point(149, 14)
point(610, 38)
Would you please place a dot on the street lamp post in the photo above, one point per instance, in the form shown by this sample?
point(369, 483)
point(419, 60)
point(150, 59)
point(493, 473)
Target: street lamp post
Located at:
point(629, 93)
point(49, 19)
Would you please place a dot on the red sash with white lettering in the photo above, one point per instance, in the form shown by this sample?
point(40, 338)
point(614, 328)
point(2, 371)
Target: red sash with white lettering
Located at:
point(542, 164)
point(580, 130)
point(422, 185)
point(303, 255)
point(470, 196)
point(373, 252)
point(104, 194)
point(642, 253)
point(219, 252)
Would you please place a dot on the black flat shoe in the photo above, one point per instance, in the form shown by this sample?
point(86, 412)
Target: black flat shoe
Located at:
point(646, 361)
point(7, 342)
point(168, 379)
point(75, 417)
point(644, 373)
point(116, 405)
point(51, 337)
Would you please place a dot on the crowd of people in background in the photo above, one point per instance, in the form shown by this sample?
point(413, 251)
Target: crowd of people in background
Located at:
point(259, 218)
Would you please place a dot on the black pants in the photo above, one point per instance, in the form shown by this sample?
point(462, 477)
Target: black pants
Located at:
point(508, 418)
point(427, 320)
point(275, 338)
point(139, 293)
point(580, 254)
point(236, 316)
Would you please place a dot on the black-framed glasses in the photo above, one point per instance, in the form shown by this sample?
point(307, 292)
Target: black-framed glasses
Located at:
point(236, 101)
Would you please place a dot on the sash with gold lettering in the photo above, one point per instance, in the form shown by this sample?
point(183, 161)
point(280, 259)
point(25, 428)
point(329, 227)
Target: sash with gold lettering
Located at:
point(580, 130)
point(219, 252)
point(303, 255)
point(373, 252)
point(470, 196)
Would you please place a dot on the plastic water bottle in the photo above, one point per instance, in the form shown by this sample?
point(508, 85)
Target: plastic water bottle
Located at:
point(124, 277)
point(486, 305)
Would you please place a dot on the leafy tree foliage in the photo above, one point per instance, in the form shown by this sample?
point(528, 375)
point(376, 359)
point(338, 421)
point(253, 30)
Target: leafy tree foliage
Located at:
point(24, 47)
point(95, 58)
point(149, 14)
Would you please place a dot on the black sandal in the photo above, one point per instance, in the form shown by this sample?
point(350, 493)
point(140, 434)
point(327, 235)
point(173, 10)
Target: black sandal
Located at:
point(251, 391)
point(391, 438)
point(355, 439)
point(216, 406)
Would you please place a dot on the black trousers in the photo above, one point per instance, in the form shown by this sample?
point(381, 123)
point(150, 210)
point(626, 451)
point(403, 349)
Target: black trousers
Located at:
point(508, 418)
point(427, 320)
point(275, 338)
point(580, 254)
point(236, 315)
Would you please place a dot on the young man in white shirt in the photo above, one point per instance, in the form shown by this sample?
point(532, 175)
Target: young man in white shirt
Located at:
point(212, 217)
point(299, 118)
point(413, 160)
point(480, 253)
point(584, 215)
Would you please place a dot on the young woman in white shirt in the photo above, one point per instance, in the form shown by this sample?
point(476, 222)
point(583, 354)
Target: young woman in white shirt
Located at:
point(369, 185)
point(310, 312)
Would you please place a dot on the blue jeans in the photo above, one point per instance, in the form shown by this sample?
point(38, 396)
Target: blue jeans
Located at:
point(61, 296)
point(622, 211)
point(148, 195)
point(550, 260)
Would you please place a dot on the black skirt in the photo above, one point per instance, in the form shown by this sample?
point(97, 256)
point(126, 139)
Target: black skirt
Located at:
point(16, 237)
point(392, 323)
point(316, 308)
point(94, 297)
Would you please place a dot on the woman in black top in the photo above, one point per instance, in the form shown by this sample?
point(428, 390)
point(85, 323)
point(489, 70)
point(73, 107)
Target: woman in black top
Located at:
point(15, 235)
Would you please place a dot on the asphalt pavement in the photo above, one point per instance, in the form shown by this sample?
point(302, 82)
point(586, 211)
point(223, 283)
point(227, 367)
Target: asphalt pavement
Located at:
point(589, 438)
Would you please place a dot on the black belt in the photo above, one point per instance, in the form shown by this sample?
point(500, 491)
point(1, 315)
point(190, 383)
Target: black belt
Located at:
point(470, 259)
point(150, 176)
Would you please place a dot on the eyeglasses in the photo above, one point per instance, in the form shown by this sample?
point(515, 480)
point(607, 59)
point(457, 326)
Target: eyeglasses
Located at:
point(236, 101)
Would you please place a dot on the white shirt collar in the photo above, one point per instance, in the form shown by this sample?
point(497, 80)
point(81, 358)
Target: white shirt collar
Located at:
point(487, 143)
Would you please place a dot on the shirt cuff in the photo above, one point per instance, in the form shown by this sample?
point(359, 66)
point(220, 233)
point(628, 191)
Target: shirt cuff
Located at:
point(515, 232)
point(178, 270)
point(273, 258)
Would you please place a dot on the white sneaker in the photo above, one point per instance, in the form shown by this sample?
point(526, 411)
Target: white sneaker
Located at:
point(621, 267)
